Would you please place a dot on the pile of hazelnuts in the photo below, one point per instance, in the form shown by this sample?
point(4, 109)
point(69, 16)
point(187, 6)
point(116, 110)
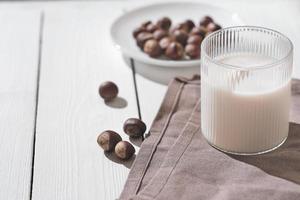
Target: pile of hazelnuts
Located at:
point(176, 43)
point(111, 141)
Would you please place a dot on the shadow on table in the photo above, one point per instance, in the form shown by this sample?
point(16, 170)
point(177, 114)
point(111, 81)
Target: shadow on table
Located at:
point(137, 141)
point(112, 156)
point(283, 162)
point(118, 102)
point(159, 74)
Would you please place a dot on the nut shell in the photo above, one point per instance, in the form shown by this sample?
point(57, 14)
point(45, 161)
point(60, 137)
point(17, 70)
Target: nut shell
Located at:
point(165, 42)
point(164, 23)
point(190, 24)
point(152, 48)
point(134, 127)
point(107, 140)
point(151, 28)
point(195, 39)
point(180, 36)
point(138, 31)
point(205, 21)
point(211, 27)
point(181, 26)
point(142, 38)
point(201, 31)
point(108, 90)
point(193, 51)
point(159, 34)
point(174, 51)
point(124, 150)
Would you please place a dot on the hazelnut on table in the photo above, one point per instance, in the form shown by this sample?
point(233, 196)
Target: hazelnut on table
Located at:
point(124, 150)
point(134, 127)
point(107, 140)
point(108, 90)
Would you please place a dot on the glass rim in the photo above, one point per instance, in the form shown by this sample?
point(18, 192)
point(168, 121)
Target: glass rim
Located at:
point(256, 67)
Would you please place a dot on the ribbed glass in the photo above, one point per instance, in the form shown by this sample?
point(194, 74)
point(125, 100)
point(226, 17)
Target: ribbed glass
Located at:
point(245, 89)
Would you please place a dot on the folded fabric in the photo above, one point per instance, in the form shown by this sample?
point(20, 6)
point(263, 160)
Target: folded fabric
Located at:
point(176, 162)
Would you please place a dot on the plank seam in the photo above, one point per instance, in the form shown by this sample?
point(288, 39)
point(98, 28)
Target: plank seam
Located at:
point(41, 32)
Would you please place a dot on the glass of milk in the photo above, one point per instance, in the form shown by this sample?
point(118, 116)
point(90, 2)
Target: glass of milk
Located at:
point(245, 89)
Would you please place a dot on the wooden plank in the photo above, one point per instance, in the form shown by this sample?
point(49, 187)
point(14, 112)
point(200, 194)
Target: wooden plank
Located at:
point(19, 38)
point(77, 56)
point(69, 164)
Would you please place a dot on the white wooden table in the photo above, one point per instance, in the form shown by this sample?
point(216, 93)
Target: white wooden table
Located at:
point(53, 56)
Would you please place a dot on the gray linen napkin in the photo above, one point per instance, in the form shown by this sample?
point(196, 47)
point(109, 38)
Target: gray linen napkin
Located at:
point(175, 161)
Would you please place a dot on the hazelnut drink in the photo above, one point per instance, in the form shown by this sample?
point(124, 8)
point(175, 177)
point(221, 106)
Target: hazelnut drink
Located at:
point(245, 89)
point(247, 118)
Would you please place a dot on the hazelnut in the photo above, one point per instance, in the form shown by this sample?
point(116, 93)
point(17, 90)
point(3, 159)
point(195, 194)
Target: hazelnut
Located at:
point(205, 21)
point(138, 31)
point(180, 36)
point(159, 34)
point(181, 26)
point(192, 50)
point(134, 127)
point(164, 42)
point(218, 27)
point(190, 24)
point(164, 23)
point(146, 23)
point(174, 51)
point(142, 38)
point(152, 48)
point(108, 90)
point(211, 27)
point(124, 150)
point(195, 39)
point(108, 140)
point(201, 31)
point(151, 28)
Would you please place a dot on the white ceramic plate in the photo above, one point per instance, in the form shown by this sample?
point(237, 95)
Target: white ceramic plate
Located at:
point(121, 29)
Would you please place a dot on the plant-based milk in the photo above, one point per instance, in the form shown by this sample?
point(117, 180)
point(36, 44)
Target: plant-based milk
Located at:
point(245, 118)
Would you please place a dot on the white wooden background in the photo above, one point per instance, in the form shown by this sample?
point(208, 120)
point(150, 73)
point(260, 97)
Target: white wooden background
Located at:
point(53, 56)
